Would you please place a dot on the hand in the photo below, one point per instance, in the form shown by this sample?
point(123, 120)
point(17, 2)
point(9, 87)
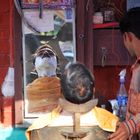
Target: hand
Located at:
point(121, 133)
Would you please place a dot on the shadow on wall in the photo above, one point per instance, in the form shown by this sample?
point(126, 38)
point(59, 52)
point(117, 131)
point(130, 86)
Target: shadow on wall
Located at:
point(12, 134)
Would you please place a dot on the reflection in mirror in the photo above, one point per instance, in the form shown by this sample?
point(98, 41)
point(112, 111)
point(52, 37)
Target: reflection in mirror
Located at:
point(59, 35)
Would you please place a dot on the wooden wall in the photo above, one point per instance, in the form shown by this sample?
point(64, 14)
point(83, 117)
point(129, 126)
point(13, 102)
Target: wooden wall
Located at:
point(6, 58)
point(107, 80)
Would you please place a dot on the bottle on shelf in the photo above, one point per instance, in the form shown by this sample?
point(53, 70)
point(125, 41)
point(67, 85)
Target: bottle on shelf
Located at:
point(98, 18)
point(122, 96)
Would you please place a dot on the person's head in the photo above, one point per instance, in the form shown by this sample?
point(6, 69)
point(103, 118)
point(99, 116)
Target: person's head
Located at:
point(130, 28)
point(45, 61)
point(77, 83)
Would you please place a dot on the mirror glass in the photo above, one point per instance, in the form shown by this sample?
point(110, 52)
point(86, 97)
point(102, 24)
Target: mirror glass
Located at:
point(55, 28)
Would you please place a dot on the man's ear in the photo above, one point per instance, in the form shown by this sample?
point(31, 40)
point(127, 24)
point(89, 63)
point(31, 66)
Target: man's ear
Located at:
point(127, 36)
point(128, 39)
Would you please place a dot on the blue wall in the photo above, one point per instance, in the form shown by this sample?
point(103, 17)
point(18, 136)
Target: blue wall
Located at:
point(12, 134)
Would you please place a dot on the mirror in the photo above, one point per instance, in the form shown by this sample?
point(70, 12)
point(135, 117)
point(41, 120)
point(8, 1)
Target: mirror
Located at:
point(57, 29)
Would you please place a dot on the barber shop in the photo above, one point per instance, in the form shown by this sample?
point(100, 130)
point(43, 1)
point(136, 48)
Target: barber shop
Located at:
point(70, 70)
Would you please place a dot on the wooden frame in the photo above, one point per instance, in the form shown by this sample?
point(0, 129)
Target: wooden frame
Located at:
point(84, 48)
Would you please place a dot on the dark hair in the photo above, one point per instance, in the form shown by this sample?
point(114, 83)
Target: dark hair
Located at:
point(131, 22)
point(77, 83)
point(44, 51)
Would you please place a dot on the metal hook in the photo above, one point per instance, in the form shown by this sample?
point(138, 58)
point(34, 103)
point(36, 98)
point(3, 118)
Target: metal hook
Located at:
point(40, 8)
point(103, 59)
point(81, 36)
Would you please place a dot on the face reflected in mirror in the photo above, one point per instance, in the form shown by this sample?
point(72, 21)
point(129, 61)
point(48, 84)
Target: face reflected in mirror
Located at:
point(45, 61)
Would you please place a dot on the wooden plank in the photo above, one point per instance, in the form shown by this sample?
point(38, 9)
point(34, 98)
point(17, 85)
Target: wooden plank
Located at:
point(18, 68)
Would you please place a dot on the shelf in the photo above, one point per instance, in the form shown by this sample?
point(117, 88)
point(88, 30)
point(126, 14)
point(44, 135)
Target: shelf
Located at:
point(106, 25)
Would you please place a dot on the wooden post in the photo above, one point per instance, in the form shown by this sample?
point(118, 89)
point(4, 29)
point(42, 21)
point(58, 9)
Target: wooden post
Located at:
point(76, 122)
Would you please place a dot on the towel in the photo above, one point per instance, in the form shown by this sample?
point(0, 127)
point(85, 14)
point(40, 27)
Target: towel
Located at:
point(43, 94)
point(106, 120)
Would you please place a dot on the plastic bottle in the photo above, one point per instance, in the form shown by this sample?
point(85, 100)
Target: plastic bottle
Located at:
point(122, 96)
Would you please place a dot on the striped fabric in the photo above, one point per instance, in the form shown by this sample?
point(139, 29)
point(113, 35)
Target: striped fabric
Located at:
point(131, 126)
point(132, 122)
